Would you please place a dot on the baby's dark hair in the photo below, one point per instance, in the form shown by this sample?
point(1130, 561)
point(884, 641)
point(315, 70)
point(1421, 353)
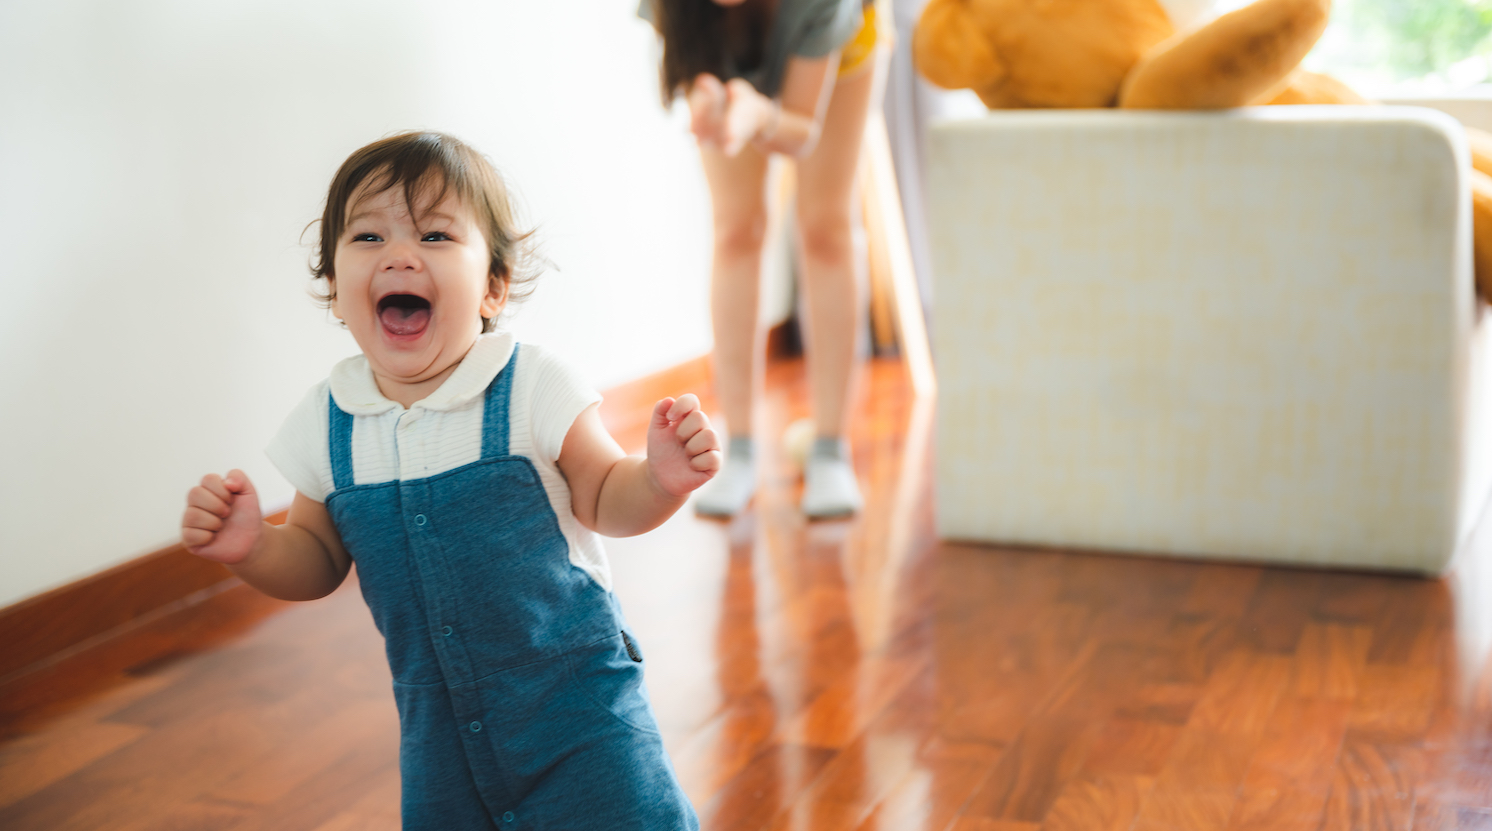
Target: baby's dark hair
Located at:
point(428, 166)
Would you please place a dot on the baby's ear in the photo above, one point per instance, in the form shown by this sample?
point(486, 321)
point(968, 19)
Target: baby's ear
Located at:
point(331, 303)
point(950, 49)
point(497, 296)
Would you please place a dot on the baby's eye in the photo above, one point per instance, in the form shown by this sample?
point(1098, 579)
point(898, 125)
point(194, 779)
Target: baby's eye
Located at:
point(434, 236)
point(366, 238)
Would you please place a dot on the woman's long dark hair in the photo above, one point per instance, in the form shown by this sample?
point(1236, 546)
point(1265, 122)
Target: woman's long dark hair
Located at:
point(702, 36)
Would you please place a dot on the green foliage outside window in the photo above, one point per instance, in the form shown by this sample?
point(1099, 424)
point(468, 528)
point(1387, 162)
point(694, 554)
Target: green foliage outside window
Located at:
point(1375, 43)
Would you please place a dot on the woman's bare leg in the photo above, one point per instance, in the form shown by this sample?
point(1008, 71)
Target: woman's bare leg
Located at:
point(738, 199)
point(832, 287)
point(832, 283)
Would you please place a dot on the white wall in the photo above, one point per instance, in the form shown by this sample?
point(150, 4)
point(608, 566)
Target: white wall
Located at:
point(158, 161)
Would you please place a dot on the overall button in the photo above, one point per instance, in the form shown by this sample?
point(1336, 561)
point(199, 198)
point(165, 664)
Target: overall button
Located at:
point(476, 727)
point(419, 519)
point(508, 817)
point(446, 630)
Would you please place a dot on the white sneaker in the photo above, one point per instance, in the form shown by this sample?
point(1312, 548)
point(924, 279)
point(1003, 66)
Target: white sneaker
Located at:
point(732, 488)
point(829, 486)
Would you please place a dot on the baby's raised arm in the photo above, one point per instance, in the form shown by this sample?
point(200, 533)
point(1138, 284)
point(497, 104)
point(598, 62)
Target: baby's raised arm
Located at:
point(619, 495)
point(300, 560)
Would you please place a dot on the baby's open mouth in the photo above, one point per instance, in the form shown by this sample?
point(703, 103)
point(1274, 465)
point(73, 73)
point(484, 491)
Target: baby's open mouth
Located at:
point(404, 315)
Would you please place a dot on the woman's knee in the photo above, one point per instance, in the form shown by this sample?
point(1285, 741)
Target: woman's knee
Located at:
point(741, 236)
point(827, 237)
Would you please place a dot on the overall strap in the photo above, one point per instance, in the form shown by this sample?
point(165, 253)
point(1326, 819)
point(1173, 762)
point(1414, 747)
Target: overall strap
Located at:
point(339, 441)
point(495, 411)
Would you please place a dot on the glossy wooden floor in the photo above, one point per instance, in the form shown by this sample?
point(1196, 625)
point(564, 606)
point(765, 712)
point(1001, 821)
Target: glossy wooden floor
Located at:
point(849, 675)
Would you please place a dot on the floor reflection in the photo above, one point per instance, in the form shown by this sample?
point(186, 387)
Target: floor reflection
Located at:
point(852, 675)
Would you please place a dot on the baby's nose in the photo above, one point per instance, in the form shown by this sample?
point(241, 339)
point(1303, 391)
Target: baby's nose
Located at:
point(401, 257)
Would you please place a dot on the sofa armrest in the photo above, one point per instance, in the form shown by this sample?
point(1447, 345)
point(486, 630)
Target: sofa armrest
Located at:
point(1239, 335)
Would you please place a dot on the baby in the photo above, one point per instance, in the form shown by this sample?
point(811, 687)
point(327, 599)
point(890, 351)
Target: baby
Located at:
point(468, 479)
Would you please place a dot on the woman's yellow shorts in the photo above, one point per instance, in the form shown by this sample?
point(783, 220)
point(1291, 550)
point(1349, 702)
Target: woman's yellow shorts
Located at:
point(861, 47)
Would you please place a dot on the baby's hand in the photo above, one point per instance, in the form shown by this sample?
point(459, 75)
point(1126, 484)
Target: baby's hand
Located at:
point(222, 520)
point(707, 108)
point(683, 452)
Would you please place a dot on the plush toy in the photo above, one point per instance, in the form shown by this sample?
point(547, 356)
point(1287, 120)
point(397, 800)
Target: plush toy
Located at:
point(1151, 54)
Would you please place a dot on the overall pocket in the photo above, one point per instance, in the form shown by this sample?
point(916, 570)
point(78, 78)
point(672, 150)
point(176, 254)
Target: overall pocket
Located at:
point(609, 674)
point(574, 714)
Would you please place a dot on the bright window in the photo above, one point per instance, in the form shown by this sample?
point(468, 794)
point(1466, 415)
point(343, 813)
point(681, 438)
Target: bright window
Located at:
point(1430, 44)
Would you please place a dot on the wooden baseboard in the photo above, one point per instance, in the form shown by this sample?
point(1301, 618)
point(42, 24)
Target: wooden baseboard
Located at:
point(38, 630)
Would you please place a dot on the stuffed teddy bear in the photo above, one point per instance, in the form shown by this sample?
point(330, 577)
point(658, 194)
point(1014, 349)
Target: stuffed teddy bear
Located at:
point(1151, 54)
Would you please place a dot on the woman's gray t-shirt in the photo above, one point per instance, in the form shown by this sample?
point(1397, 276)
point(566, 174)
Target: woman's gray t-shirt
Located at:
point(801, 28)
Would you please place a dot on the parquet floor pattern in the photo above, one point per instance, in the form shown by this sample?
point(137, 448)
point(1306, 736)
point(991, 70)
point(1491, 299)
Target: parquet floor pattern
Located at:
point(844, 675)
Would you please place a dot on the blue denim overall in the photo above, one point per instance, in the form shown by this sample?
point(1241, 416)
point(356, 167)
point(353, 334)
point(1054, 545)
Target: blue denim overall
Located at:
point(520, 693)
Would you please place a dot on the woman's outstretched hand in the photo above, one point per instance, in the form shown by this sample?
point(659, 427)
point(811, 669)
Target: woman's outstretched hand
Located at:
point(707, 100)
point(728, 115)
point(683, 451)
point(747, 114)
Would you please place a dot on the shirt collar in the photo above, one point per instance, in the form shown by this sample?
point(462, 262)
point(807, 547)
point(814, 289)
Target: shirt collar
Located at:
point(357, 392)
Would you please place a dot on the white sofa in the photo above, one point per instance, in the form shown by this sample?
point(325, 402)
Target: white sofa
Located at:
point(1247, 335)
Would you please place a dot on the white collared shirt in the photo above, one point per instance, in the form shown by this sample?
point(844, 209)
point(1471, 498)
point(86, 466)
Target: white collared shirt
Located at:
point(444, 430)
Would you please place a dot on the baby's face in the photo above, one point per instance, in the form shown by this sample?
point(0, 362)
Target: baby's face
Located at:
point(412, 296)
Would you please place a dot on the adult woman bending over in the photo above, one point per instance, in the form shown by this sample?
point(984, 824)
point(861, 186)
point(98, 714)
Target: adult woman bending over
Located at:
point(794, 77)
